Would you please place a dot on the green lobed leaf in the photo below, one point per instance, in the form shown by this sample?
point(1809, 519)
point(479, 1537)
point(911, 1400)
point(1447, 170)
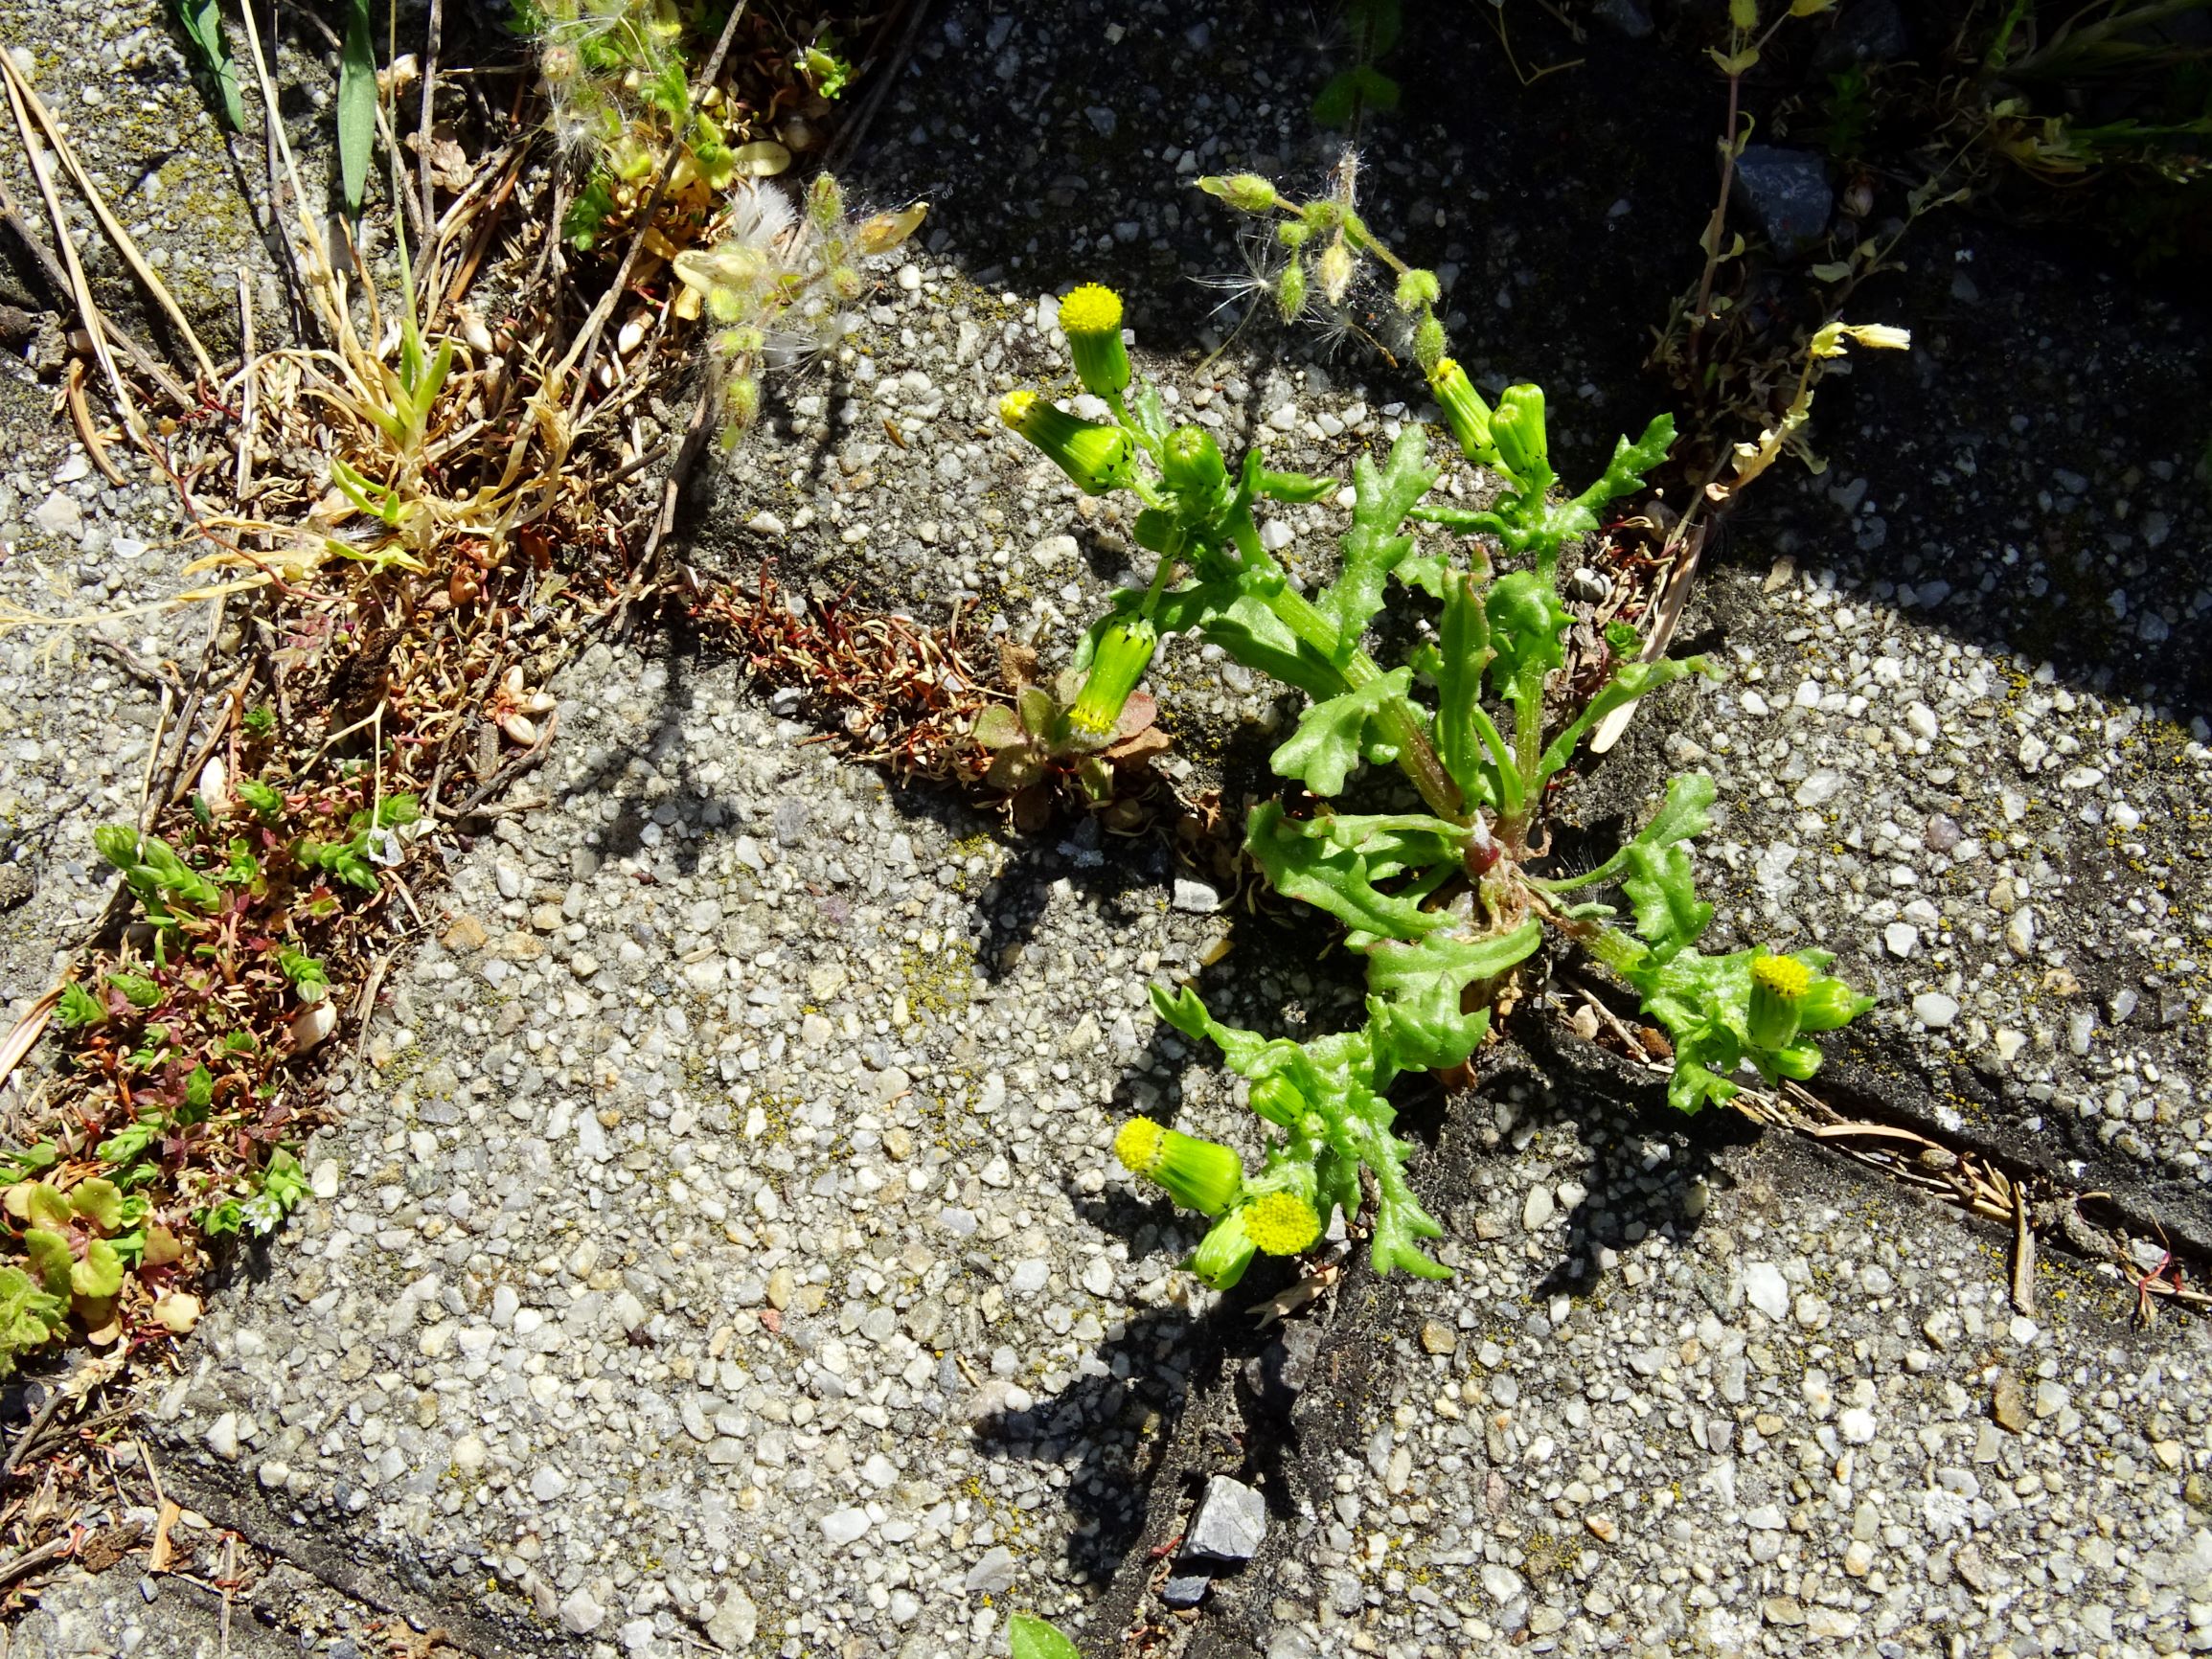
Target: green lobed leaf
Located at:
point(1684, 814)
point(1259, 639)
point(1322, 752)
point(51, 1259)
point(1418, 988)
point(1374, 545)
point(1314, 861)
point(356, 107)
point(1032, 1638)
point(1527, 625)
point(30, 1317)
point(1662, 891)
point(98, 1201)
point(1632, 680)
point(1629, 464)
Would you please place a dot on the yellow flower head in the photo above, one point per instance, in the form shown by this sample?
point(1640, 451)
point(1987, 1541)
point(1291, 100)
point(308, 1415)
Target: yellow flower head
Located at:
point(1281, 1223)
point(1201, 1176)
point(1785, 976)
point(1091, 319)
point(1091, 309)
point(1139, 1143)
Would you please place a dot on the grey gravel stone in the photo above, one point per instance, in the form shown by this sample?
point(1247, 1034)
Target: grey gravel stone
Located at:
point(1230, 1524)
point(1786, 192)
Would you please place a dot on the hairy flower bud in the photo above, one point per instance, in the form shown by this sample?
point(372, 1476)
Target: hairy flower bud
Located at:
point(1245, 192)
point(1091, 319)
point(883, 232)
point(1291, 289)
point(1124, 651)
point(1200, 1175)
point(1334, 268)
point(1429, 342)
point(1417, 289)
point(825, 203)
point(1097, 458)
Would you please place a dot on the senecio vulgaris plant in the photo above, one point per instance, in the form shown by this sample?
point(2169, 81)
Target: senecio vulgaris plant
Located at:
point(1442, 903)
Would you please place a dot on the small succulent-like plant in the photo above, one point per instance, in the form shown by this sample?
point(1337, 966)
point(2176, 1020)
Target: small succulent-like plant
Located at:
point(1092, 730)
point(70, 1240)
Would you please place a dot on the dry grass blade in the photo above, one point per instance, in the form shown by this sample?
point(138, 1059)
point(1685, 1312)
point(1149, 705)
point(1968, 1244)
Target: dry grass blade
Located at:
point(27, 1033)
point(50, 269)
point(2024, 1254)
point(80, 290)
point(109, 223)
point(87, 431)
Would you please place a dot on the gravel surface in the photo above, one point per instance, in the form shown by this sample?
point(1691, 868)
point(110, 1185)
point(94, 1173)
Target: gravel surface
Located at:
point(721, 1244)
point(1691, 1397)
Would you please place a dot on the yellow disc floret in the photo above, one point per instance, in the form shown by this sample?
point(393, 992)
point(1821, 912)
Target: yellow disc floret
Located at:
point(1091, 319)
point(1091, 309)
point(1013, 408)
point(1281, 1223)
point(1139, 1145)
point(1785, 976)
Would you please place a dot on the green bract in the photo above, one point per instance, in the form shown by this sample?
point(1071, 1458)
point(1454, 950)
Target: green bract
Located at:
point(1438, 897)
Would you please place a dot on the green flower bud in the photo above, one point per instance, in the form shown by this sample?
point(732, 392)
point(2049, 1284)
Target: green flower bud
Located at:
point(1277, 1101)
point(1245, 192)
point(741, 401)
point(1518, 430)
point(1224, 1253)
point(1291, 289)
point(1190, 463)
point(1091, 319)
point(1429, 342)
point(825, 203)
point(1778, 988)
point(1097, 458)
point(1830, 1003)
point(1464, 411)
point(1119, 662)
point(1417, 291)
point(1200, 1175)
